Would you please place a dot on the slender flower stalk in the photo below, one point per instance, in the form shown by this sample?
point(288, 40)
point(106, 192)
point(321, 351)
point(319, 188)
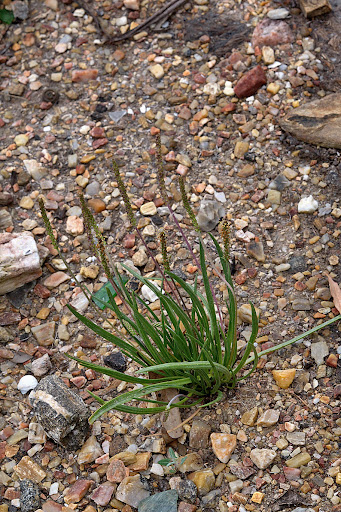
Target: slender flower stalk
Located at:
point(164, 253)
point(225, 235)
point(161, 171)
point(124, 195)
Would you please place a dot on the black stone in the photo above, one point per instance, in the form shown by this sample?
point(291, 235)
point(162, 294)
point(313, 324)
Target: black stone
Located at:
point(156, 219)
point(117, 361)
point(29, 496)
point(187, 491)
point(17, 297)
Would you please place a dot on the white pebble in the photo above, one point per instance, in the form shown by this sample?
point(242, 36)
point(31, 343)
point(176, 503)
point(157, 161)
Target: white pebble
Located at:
point(54, 488)
point(27, 383)
point(148, 294)
point(307, 205)
point(157, 469)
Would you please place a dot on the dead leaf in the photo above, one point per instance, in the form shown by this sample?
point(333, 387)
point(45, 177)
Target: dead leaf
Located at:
point(336, 293)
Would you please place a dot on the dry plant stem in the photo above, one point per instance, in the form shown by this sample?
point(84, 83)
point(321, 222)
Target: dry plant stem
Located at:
point(163, 13)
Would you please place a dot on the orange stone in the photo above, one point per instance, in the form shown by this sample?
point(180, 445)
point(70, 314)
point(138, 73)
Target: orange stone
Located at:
point(223, 445)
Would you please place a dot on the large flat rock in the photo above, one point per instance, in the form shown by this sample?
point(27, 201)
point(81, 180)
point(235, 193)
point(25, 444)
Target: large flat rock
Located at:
point(19, 260)
point(317, 122)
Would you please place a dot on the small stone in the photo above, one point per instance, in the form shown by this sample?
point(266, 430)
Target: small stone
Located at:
point(26, 203)
point(44, 333)
point(29, 496)
point(299, 460)
point(262, 458)
point(245, 313)
point(36, 434)
point(250, 82)
point(199, 433)
point(84, 75)
point(269, 418)
point(141, 463)
point(77, 491)
point(61, 412)
point(240, 149)
point(117, 471)
point(35, 169)
point(90, 451)
point(160, 502)
point(72, 161)
point(242, 472)
point(74, 225)
point(192, 462)
point(268, 55)
point(273, 88)
point(338, 479)
point(209, 215)
point(55, 280)
point(97, 205)
point(117, 361)
point(246, 171)
point(139, 259)
point(134, 5)
point(90, 272)
point(236, 486)
point(319, 351)
point(307, 205)
point(132, 491)
point(184, 160)
point(204, 480)
point(148, 209)
point(27, 383)
point(257, 497)
point(187, 490)
point(102, 495)
point(296, 438)
point(30, 470)
point(157, 71)
point(278, 14)
point(249, 417)
point(284, 378)
point(21, 140)
point(256, 250)
point(223, 445)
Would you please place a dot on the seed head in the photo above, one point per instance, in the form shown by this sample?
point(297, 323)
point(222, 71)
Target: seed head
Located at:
point(160, 170)
point(163, 242)
point(47, 223)
point(124, 195)
point(225, 234)
point(186, 204)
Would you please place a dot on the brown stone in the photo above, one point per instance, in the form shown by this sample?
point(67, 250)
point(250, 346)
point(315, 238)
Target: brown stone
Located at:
point(312, 8)
point(55, 280)
point(44, 333)
point(271, 33)
point(317, 122)
point(117, 471)
point(250, 82)
point(84, 75)
point(28, 469)
point(77, 491)
point(97, 205)
point(141, 462)
point(198, 436)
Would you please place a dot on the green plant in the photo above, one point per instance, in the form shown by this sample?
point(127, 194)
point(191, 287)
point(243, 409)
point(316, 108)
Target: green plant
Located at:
point(173, 461)
point(6, 16)
point(191, 346)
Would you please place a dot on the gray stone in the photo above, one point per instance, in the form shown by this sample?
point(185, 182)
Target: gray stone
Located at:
point(211, 496)
point(297, 264)
point(161, 502)
point(93, 188)
point(41, 365)
point(210, 213)
point(278, 14)
point(256, 250)
point(5, 219)
point(61, 412)
point(19, 260)
point(132, 491)
point(319, 351)
point(35, 169)
point(20, 10)
point(279, 183)
point(29, 496)
point(199, 434)
point(317, 122)
point(296, 438)
point(187, 491)
point(5, 336)
point(301, 304)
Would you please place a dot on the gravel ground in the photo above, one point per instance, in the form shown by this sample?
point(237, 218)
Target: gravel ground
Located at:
point(69, 106)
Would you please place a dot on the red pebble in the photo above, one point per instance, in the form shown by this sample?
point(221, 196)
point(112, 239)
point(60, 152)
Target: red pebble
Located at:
point(84, 75)
point(250, 82)
point(97, 132)
point(42, 291)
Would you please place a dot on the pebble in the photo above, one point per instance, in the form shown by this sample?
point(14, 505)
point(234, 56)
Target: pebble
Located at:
point(148, 209)
point(299, 460)
point(262, 458)
point(77, 491)
point(27, 383)
point(269, 418)
point(132, 491)
point(284, 378)
point(161, 502)
point(204, 480)
point(41, 366)
point(250, 82)
point(29, 496)
point(74, 225)
point(223, 445)
point(199, 434)
point(21, 140)
point(249, 417)
point(307, 205)
point(278, 14)
point(157, 71)
point(90, 451)
point(209, 215)
point(319, 351)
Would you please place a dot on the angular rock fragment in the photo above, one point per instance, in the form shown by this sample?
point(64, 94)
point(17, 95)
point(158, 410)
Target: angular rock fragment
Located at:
point(28, 469)
point(77, 491)
point(198, 436)
point(131, 491)
point(160, 502)
point(90, 451)
point(210, 213)
point(29, 496)
point(61, 412)
point(271, 33)
point(317, 122)
point(19, 260)
point(223, 445)
point(312, 8)
point(262, 457)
